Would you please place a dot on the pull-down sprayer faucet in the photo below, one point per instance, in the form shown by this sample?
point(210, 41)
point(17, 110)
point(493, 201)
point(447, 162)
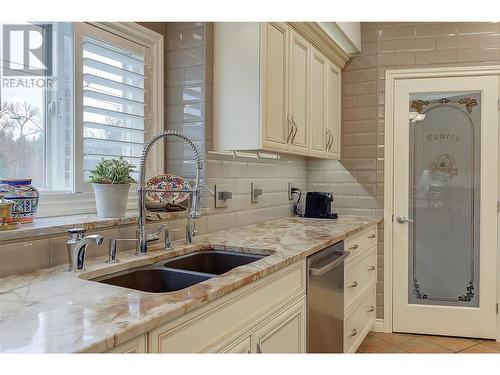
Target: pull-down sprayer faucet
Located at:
point(193, 210)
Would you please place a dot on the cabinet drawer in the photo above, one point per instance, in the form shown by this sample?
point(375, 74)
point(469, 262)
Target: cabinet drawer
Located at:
point(202, 329)
point(137, 345)
point(359, 276)
point(359, 242)
point(359, 323)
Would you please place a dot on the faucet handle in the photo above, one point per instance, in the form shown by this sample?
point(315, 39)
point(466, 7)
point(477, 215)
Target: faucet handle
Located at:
point(156, 235)
point(206, 188)
point(76, 233)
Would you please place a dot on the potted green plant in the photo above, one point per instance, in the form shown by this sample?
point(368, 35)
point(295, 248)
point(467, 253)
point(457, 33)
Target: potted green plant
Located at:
point(111, 181)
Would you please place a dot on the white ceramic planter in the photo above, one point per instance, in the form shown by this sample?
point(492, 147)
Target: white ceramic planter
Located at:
point(111, 199)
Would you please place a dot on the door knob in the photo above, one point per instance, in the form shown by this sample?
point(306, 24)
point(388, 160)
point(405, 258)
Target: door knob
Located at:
point(402, 220)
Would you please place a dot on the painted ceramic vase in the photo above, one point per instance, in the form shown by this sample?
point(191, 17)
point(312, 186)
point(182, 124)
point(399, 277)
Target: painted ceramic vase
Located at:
point(24, 196)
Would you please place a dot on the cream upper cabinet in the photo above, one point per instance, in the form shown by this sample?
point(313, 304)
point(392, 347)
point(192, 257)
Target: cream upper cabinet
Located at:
point(333, 87)
point(276, 126)
point(318, 129)
point(300, 52)
point(273, 89)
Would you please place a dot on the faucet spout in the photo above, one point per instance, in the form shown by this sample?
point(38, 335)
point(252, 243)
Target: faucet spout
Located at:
point(77, 247)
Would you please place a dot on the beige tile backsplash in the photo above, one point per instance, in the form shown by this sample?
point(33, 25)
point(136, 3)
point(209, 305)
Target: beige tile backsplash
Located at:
point(24, 256)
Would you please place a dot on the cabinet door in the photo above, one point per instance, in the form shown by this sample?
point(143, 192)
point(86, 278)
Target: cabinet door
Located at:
point(241, 346)
point(300, 50)
point(276, 126)
point(137, 345)
point(317, 127)
point(283, 333)
point(333, 109)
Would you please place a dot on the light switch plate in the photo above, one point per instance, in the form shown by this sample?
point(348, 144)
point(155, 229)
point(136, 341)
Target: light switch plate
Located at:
point(219, 203)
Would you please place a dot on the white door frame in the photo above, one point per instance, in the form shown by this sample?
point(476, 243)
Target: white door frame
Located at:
point(391, 77)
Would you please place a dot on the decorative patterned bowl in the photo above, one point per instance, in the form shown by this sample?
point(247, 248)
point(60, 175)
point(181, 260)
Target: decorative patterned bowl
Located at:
point(167, 182)
point(24, 196)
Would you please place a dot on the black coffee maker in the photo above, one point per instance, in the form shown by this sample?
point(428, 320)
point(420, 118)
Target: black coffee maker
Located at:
point(319, 205)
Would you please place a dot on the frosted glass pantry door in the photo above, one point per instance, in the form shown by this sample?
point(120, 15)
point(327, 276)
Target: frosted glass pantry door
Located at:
point(445, 163)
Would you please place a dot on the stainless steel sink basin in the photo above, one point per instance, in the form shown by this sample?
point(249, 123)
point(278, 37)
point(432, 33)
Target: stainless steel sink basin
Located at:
point(179, 272)
point(215, 262)
point(154, 280)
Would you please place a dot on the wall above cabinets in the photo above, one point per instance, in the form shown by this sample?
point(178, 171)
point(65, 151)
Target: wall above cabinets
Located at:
point(277, 88)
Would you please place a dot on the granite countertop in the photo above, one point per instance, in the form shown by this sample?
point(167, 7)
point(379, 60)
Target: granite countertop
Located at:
point(52, 310)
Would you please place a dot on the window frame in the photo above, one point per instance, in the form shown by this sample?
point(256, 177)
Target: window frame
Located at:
point(81, 200)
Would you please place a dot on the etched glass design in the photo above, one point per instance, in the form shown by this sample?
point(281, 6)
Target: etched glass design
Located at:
point(444, 199)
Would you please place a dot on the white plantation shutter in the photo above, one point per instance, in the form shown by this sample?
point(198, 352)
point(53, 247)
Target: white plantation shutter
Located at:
point(114, 101)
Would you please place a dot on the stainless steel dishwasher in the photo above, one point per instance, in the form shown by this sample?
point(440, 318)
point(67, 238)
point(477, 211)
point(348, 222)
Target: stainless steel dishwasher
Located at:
point(325, 300)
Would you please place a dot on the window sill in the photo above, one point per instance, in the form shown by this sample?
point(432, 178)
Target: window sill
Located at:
point(51, 226)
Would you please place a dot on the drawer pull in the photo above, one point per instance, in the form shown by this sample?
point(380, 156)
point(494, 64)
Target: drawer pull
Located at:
point(371, 309)
point(353, 333)
point(353, 285)
point(371, 268)
point(372, 235)
point(354, 247)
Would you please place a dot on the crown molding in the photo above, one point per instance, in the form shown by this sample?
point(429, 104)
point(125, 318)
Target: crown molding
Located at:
point(322, 41)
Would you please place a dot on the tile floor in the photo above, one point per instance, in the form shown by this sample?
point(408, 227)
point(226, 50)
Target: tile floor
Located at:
point(376, 342)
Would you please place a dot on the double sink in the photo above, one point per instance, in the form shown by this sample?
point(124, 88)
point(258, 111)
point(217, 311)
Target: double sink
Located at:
point(179, 272)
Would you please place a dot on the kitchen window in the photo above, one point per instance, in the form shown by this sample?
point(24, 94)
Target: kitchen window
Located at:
point(36, 113)
point(106, 101)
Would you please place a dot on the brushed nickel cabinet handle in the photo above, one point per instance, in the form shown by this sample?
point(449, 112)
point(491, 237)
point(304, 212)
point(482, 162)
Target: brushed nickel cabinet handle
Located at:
point(354, 284)
point(353, 332)
point(296, 130)
point(259, 350)
point(354, 247)
point(371, 309)
point(372, 235)
point(371, 268)
point(290, 131)
point(329, 139)
point(331, 142)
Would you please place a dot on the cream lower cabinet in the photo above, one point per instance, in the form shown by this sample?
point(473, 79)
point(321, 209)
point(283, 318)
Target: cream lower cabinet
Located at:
point(284, 333)
point(137, 345)
point(267, 315)
point(360, 278)
point(274, 91)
